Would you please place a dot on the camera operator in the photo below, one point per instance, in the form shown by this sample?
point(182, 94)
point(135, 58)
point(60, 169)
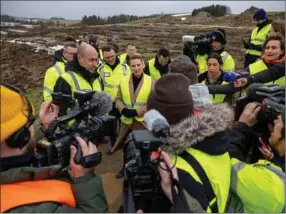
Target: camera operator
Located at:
point(41, 189)
point(198, 144)
point(260, 186)
point(270, 68)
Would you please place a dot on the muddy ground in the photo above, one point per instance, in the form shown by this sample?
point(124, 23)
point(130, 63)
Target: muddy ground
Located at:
point(22, 67)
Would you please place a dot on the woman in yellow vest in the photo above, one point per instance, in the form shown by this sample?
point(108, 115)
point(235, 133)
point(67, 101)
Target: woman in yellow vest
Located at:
point(201, 137)
point(132, 95)
point(214, 76)
point(271, 66)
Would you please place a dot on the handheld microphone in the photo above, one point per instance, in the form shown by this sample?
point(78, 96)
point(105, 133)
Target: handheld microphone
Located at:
point(157, 123)
point(231, 77)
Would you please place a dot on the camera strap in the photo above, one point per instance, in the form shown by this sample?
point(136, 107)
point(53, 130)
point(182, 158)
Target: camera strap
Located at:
point(179, 199)
point(204, 178)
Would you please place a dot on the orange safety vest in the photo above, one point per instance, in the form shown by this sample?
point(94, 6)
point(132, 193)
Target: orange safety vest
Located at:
point(31, 192)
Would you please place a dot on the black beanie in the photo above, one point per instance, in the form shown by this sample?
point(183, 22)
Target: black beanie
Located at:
point(172, 98)
point(219, 35)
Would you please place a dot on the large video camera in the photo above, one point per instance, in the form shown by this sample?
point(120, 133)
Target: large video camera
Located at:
point(142, 180)
point(87, 118)
point(197, 45)
point(271, 97)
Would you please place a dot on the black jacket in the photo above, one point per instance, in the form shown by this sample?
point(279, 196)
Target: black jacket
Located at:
point(274, 72)
point(242, 141)
point(162, 69)
point(58, 56)
point(63, 87)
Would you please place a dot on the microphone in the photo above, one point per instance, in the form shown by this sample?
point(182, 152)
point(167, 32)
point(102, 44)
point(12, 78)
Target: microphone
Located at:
point(231, 77)
point(101, 102)
point(157, 123)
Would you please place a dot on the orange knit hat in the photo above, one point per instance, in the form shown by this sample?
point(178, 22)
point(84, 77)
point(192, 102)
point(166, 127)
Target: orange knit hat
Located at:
point(14, 112)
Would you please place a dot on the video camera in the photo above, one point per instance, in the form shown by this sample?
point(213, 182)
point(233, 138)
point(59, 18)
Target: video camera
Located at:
point(197, 45)
point(87, 118)
point(271, 97)
point(142, 180)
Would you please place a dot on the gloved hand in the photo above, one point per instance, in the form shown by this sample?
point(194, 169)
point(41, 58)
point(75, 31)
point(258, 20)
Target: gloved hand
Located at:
point(129, 112)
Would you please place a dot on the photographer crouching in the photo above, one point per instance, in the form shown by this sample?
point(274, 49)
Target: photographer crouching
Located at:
point(26, 186)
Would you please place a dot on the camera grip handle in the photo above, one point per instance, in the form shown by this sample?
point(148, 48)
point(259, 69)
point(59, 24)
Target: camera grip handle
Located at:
point(78, 154)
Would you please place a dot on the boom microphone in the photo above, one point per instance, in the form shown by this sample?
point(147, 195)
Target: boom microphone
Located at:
point(102, 102)
point(157, 123)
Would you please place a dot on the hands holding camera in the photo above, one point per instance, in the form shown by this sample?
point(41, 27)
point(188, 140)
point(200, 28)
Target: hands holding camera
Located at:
point(48, 113)
point(249, 114)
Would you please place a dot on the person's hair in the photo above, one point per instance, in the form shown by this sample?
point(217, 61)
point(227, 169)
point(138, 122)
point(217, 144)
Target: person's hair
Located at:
point(84, 34)
point(70, 39)
point(183, 65)
point(107, 48)
point(116, 47)
point(136, 56)
point(93, 38)
point(279, 27)
point(102, 38)
point(216, 56)
point(164, 52)
point(70, 44)
point(130, 44)
point(276, 38)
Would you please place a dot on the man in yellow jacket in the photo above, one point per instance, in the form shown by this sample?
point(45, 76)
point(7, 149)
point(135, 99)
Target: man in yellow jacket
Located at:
point(258, 36)
point(130, 51)
point(54, 72)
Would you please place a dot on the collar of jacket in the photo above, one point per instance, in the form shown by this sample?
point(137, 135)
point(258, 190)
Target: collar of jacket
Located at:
point(271, 62)
point(263, 24)
point(220, 50)
point(77, 68)
point(206, 132)
point(58, 56)
point(117, 62)
point(23, 171)
point(162, 69)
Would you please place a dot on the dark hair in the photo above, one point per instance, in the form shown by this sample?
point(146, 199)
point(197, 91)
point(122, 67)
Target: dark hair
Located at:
point(276, 38)
point(164, 52)
point(216, 56)
point(279, 27)
point(183, 65)
point(107, 48)
point(93, 38)
point(70, 39)
point(116, 47)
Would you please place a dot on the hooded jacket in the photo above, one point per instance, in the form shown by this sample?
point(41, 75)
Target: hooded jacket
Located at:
point(206, 133)
point(87, 190)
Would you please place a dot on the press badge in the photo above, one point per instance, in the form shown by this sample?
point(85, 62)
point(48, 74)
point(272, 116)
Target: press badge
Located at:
point(106, 74)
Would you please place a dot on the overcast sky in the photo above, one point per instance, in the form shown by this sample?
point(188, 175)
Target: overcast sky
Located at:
point(77, 9)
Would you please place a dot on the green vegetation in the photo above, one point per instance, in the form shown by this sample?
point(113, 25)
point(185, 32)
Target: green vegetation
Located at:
point(215, 10)
point(97, 20)
point(36, 98)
